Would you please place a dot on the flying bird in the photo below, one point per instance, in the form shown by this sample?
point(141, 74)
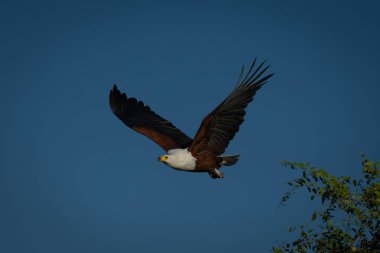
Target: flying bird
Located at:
point(204, 153)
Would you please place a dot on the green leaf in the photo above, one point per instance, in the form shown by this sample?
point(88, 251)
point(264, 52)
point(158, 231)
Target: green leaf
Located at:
point(314, 216)
point(349, 214)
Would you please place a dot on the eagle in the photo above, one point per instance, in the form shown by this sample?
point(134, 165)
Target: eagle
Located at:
point(205, 152)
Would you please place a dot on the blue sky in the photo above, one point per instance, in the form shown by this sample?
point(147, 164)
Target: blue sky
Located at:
point(73, 178)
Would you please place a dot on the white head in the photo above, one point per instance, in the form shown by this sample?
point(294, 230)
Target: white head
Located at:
point(179, 159)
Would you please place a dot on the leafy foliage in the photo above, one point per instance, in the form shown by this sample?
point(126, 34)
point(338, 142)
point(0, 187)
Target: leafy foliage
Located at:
point(349, 219)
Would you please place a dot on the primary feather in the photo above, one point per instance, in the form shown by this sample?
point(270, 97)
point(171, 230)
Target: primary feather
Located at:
point(142, 119)
point(220, 126)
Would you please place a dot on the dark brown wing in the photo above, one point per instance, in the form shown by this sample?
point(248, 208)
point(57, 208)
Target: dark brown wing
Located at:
point(143, 120)
point(219, 127)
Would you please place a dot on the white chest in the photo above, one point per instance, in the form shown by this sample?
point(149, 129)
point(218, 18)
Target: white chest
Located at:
point(181, 159)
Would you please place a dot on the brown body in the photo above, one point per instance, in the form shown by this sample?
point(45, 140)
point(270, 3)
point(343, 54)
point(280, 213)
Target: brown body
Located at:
point(206, 161)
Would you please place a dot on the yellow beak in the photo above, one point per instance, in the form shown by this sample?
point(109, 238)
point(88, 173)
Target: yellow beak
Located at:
point(162, 158)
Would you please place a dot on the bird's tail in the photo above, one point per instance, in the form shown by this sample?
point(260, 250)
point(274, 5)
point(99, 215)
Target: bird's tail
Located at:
point(229, 160)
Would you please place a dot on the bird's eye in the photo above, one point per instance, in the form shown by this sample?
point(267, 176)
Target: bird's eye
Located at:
point(166, 157)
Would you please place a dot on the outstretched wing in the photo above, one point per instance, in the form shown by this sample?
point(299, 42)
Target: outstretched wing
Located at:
point(142, 119)
point(219, 127)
